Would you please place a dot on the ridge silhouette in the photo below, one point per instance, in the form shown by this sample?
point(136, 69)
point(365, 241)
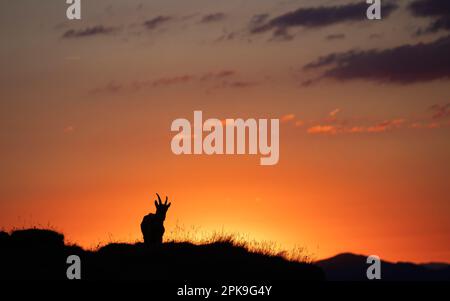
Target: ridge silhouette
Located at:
point(41, 254)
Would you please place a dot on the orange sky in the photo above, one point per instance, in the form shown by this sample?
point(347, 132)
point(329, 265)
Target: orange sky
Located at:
point(85, 129)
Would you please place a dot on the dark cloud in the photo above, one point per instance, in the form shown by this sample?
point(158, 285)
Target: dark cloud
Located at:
point(427, 8)
point(319, 16)
point(156, 22)
point(402, 65)
point(439, 10)
point(437, 25)
point(88, 32)
point(338, 36)
point(213, 18)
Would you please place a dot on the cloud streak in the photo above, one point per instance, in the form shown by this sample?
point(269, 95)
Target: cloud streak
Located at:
point(211, 18)
point(156, 22)
point(405, 64)
point(216, 79)
point(437, 9)
point(314, 17)
point(333, 129)
point(333, 125)
point(89, 32)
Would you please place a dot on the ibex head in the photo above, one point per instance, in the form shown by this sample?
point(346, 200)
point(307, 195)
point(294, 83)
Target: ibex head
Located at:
point(161, 208)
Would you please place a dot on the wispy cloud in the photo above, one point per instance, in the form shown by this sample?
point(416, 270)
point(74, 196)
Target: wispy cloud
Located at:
point(218, 74)
point(89, 32)
point(168, 81)
point(215, 17)
point(335, 126)
point(291, 119)
point(156, 22)
point(334, 113)
point(227, 36)
point(323, 129)
point(160, 82)
point(281, 34)
point(111, 87)
point(425, 125)
point(333, 129)
point(239, 84)
point(385, 126)
point(287, 118)
point(440, 111)
point(257, 20)
point(314, 17)
point(226, 78)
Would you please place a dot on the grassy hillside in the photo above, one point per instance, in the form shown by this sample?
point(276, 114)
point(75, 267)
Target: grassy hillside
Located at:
point(42, 254)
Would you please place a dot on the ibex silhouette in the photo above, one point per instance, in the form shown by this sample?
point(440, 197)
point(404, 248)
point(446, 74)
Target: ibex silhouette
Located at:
point(152, 225)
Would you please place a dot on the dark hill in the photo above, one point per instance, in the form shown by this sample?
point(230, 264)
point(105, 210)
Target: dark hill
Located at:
point(352, 267)
point(42, 254)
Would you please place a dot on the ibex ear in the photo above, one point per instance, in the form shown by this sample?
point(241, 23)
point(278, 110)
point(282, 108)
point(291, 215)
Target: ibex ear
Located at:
point(168, 205)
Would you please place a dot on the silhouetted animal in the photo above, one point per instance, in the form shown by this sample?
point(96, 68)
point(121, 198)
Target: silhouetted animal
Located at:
point(152, 225)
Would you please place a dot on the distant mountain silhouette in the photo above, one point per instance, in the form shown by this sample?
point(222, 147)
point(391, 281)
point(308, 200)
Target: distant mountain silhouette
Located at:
point(42, 254)
point(352, 267)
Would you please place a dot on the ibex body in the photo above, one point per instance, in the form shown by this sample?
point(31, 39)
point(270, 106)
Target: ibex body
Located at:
point(152, 225)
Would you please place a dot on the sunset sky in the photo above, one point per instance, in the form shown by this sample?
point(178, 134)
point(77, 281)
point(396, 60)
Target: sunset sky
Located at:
point(364, 106)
